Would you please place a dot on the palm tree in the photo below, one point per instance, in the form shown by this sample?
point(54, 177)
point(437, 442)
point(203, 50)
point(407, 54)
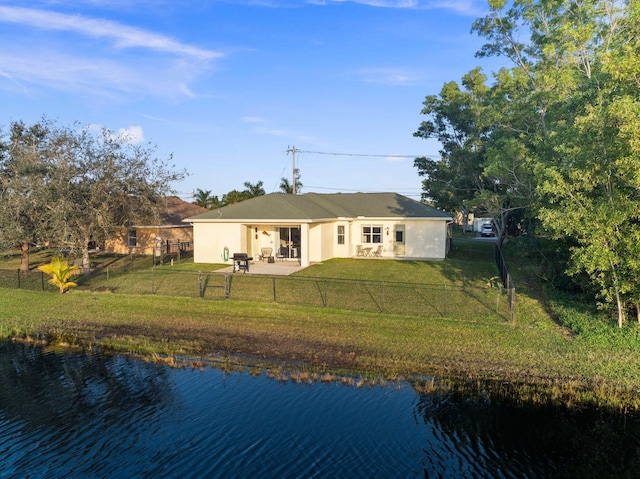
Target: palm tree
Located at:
point(234, 196)
point(287, 187)
point(254, 190)
point(205, 199)
point(60, 273)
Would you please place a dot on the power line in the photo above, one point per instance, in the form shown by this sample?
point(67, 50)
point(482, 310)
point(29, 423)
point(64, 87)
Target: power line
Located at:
point(366, 154)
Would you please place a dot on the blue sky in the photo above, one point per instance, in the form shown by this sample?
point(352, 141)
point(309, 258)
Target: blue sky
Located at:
point(227, 87)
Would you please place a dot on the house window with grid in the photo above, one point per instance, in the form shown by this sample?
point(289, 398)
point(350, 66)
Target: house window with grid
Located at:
point(340, 234)
point(372, 233)
point(132, 239)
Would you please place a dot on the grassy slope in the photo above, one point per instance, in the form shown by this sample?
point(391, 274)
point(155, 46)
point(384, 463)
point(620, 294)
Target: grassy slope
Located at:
point(533, 350)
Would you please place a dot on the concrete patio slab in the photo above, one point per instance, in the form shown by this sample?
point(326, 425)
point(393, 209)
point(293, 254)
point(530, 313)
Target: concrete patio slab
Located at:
point(279, 268)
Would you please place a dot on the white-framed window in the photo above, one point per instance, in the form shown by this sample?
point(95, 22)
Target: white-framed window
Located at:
point(372, 233)
point(132, 238)
point(340, 234)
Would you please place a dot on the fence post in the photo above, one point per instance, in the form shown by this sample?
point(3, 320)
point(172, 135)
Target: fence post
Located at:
point(382, 302)
point(18, 278)
point(152, 282)
point(512, 302)
point(227, 286)
point(200, 284)
point(507, 281)
point(42, 279)
point(326, 289)
point(444, 305)
point(275, 297)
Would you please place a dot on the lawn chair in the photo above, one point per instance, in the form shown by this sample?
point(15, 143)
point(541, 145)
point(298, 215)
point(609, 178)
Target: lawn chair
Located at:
point(377, 252)
point(360, 250)
point(265, 254)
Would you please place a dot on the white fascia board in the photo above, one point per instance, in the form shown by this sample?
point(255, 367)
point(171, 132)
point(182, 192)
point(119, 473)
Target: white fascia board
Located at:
point(162, 227)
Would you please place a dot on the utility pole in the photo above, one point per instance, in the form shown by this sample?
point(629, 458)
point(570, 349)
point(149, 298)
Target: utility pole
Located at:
point(295, 171)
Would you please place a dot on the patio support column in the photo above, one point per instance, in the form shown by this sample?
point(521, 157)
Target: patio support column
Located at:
point(304, 245)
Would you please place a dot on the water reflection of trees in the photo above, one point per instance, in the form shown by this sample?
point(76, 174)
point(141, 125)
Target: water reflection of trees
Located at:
point(488, 439)
point(43, 388)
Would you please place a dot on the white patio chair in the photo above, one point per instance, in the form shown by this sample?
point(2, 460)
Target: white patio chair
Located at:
point(266, 253)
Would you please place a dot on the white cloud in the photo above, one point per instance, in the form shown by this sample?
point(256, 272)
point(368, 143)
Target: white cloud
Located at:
point(123, 36)
point(125, 60)
point(387, 76)
point(132, 134)
point(464, 7)
point(396, 158)
point(15, 82)
point(273, 131)
point(97, 76)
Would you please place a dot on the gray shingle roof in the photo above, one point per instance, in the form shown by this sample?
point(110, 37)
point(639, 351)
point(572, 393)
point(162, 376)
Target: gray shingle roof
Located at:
point(317, 206)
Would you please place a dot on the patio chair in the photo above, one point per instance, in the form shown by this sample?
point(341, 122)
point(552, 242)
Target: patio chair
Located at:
point(266, 254)
point(360, 250)
point(282, 253)
point(377, 252)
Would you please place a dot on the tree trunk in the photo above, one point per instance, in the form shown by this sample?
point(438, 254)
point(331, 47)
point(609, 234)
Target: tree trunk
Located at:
point(24, 257)
point(619, 302)
point(620, 309)
point(86, 261)
point(465, 219)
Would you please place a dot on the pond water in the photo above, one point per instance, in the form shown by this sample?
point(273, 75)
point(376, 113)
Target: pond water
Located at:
point(104, 416)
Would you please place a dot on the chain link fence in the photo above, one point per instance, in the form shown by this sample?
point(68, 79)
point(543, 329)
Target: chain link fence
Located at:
point(32, 280)
point(417, 299)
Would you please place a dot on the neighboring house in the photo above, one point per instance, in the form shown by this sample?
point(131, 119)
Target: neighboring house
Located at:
point(170, 236)
point(314, 227)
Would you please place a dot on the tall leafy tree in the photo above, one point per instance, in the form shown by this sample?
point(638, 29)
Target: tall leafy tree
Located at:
point(581, 67)
point(455, 119)
point(595, 179)
point(102, 183)
point(484, 167)
point(25, 187)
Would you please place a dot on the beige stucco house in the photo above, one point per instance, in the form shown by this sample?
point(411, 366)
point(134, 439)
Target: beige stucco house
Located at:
point(314, 227)
point(170, 235)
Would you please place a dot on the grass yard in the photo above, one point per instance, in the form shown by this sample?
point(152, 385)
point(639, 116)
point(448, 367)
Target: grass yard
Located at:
point(470, 264)
point(457, 287)
point(543, 360)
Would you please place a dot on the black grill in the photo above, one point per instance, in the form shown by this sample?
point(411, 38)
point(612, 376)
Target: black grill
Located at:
point(241, 262)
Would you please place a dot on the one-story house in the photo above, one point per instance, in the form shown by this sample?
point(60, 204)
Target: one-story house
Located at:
point(315, 227)
point(169, 236)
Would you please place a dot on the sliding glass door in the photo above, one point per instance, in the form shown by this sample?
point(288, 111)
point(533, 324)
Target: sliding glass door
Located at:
point(289, 246)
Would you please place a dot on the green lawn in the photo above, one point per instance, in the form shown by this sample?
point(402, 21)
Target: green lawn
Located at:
point(546, 360)
point(457, 287)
